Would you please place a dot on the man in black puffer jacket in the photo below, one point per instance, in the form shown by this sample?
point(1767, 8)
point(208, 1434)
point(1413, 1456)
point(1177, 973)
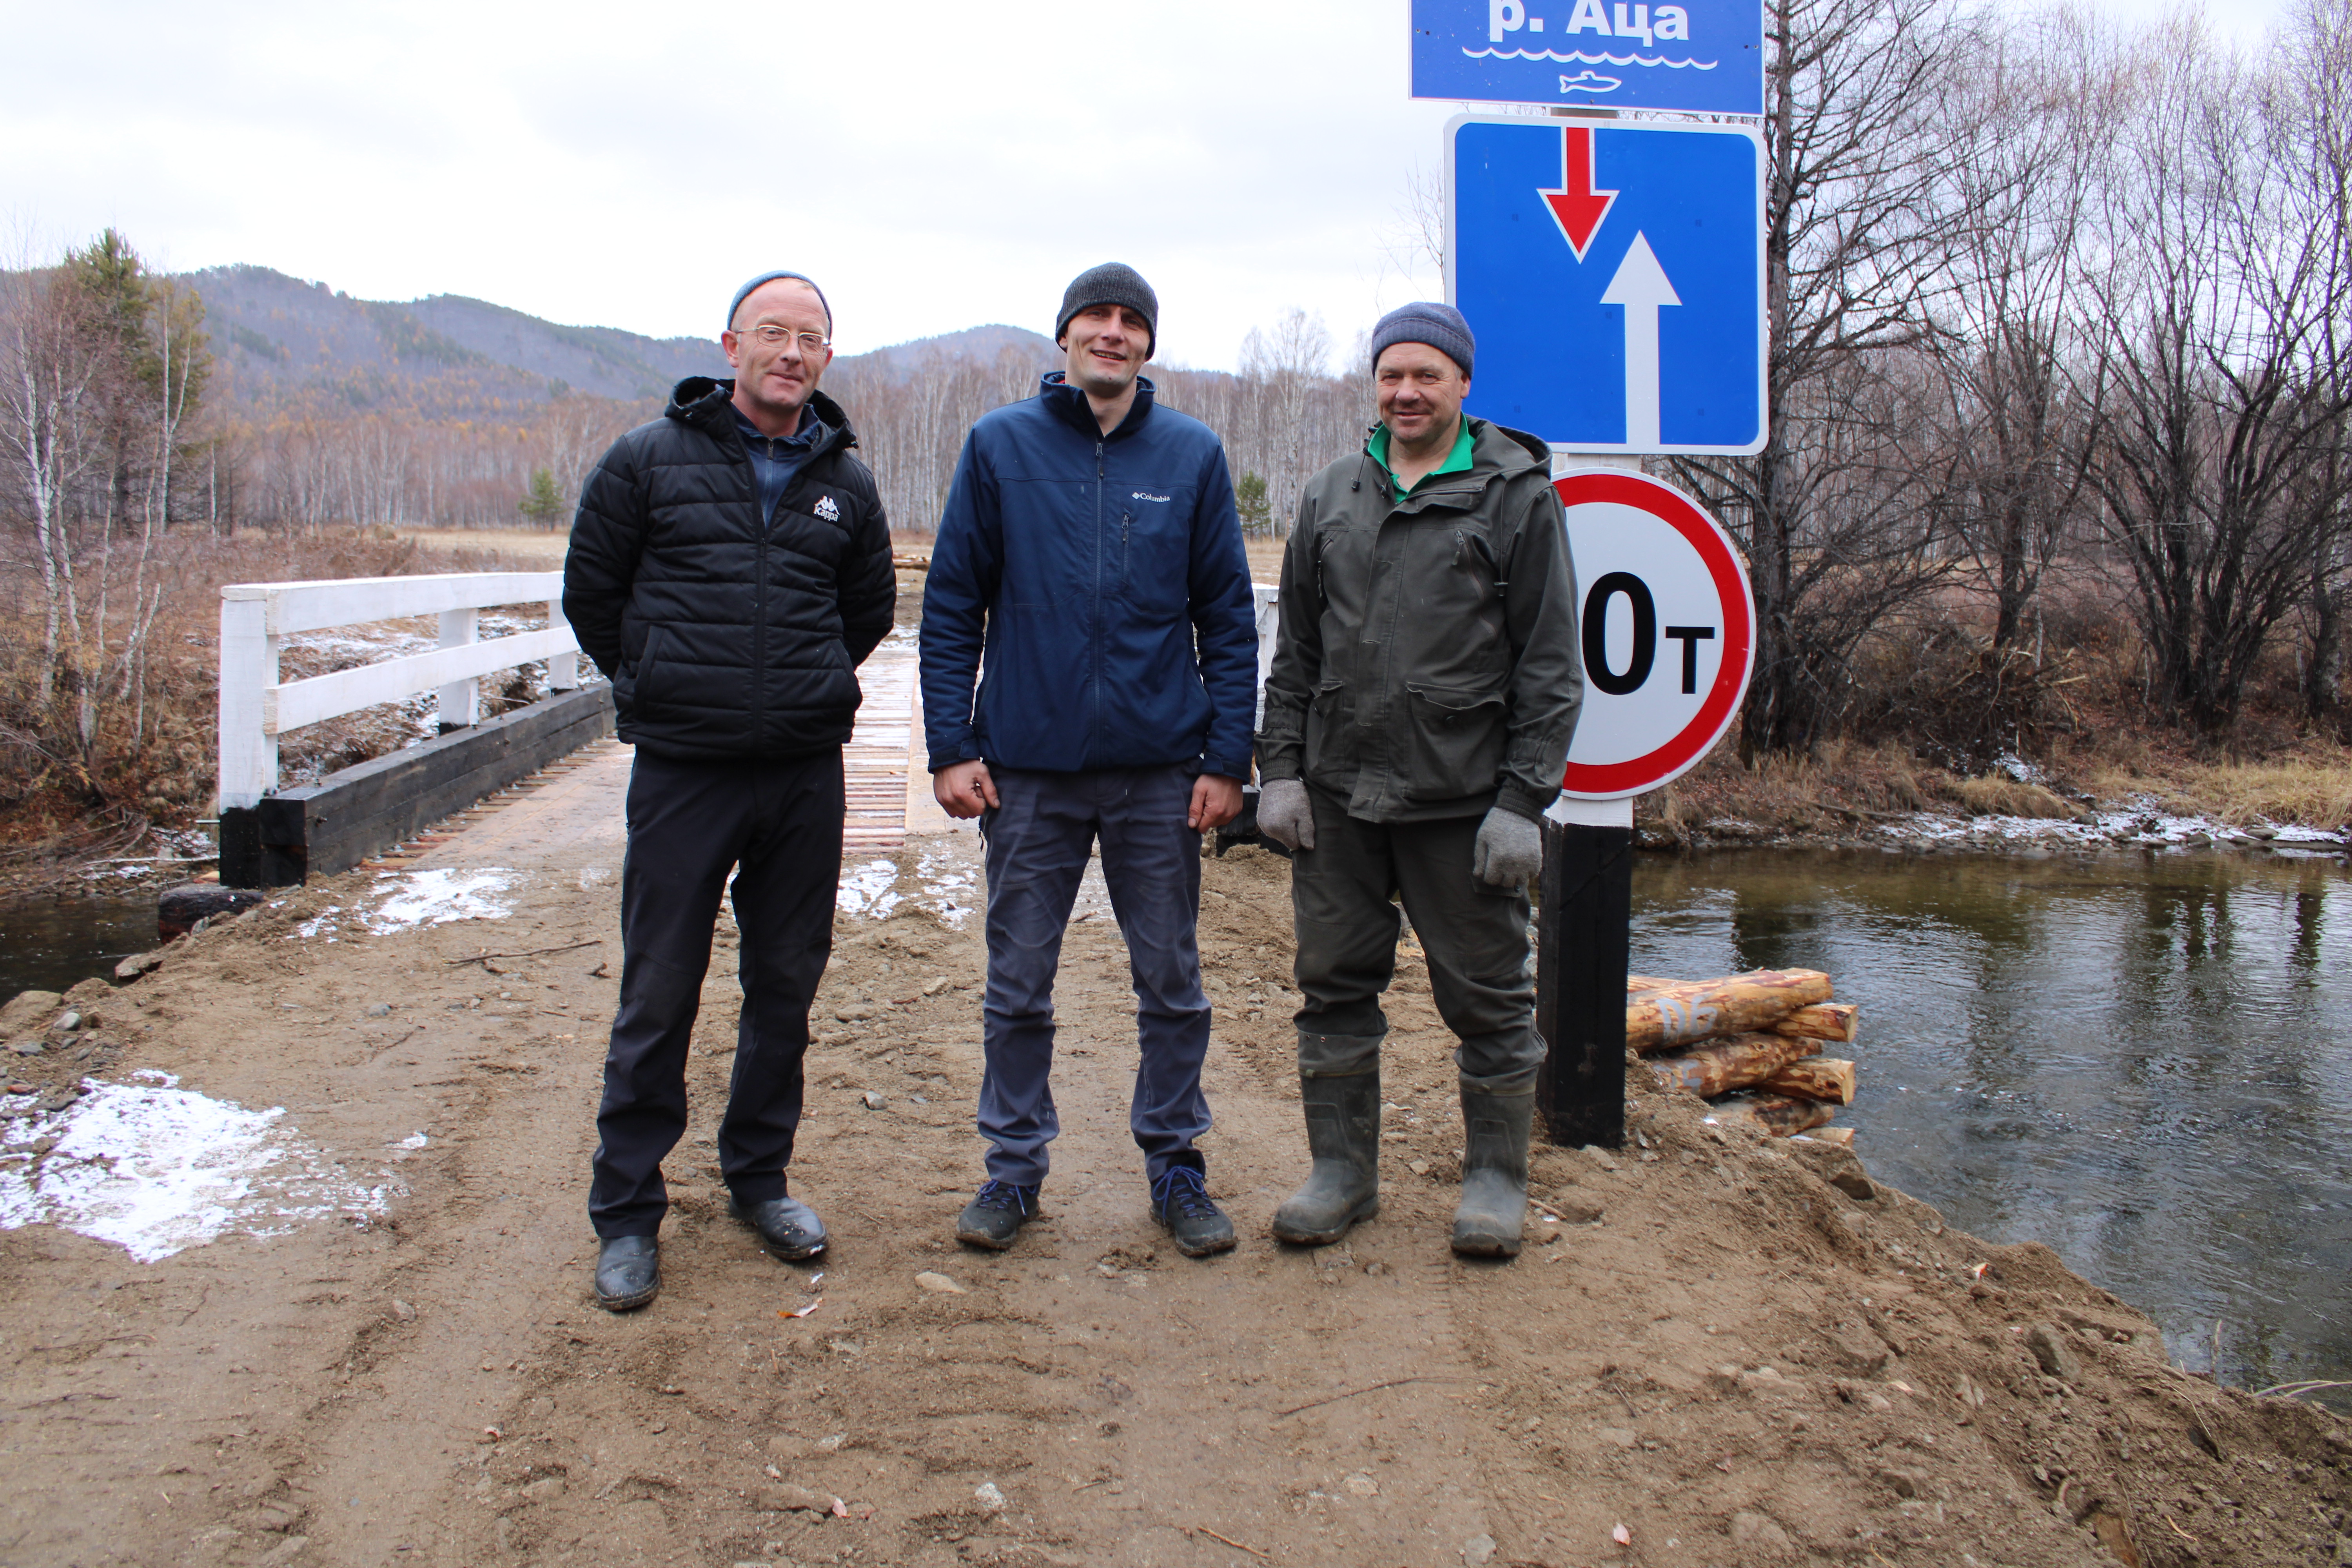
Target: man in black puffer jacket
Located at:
point(730, 569)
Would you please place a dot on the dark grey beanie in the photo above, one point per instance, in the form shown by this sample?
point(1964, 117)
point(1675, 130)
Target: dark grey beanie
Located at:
point(745, 292)
point(1427, 322)
point(1112, 283)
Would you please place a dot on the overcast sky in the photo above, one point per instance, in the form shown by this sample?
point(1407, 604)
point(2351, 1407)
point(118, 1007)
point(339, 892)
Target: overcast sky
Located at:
point(935, 166)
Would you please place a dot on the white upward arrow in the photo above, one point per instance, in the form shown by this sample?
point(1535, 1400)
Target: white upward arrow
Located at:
point(1641, 287)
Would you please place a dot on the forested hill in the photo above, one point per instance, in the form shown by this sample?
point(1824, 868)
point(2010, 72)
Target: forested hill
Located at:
point(291, 347)
point(286, 343)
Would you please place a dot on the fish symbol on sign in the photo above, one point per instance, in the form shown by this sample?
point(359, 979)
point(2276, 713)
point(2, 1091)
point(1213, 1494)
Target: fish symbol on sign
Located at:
point(1590, 81)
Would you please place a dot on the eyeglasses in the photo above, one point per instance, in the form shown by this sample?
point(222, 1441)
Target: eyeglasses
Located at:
point(769, 335)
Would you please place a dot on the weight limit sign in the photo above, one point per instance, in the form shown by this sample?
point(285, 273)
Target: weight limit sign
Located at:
point(1668, 627)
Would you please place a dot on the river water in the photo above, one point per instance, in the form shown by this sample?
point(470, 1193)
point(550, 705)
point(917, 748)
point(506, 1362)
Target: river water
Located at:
point(54, 942)
point(2143, 1059)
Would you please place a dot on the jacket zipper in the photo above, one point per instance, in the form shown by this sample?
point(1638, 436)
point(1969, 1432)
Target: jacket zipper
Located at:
point(1094, 746)
point(759, 605)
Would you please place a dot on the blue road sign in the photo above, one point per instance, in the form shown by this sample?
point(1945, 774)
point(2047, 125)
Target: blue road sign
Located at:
point(1704, 56)
point(1614, 274)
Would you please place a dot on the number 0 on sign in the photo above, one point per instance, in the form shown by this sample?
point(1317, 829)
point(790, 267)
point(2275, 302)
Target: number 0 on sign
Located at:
point(1668, 629)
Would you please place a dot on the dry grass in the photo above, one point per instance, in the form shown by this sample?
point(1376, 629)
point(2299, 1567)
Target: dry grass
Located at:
point(531, 549)
point(1828, 793)
point(1999, 795)
point(2312, 792)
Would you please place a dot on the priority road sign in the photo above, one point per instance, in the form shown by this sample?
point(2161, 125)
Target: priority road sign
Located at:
point(1668, 627)
point(1614, 274)
point(1701, 55)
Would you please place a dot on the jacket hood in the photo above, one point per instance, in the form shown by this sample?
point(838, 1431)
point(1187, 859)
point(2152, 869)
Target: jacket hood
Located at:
point(707, 403)
point(1070, 404)
point(1506, 448)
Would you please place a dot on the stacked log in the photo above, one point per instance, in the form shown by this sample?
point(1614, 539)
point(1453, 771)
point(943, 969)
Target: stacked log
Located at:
point(1750, 1044)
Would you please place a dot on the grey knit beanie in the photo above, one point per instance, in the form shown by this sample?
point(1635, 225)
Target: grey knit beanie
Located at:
point(1112, 283)
point(1427, 322)
point(745, 292)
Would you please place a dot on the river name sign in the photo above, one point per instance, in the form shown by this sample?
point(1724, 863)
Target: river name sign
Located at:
point(1703, 57)
point(1614, 274)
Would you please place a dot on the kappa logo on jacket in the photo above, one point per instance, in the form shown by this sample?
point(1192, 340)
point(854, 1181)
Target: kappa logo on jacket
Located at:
point(827, 509)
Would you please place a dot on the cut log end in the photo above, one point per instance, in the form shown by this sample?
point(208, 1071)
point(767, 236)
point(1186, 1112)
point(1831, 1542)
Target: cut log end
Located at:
point(1818, 1078)
point(1837, 1021)
point(1779, 1115)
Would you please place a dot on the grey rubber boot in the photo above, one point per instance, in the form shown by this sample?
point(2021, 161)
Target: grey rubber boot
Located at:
point(1494, 1208)
point(1343, 1134)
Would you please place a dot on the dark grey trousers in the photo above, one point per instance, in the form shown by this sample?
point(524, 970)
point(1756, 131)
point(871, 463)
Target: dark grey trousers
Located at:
point(1039, 839)
point(1475, 937)
point(690, 824)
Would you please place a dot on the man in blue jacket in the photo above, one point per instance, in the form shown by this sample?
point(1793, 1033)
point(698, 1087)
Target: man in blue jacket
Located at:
point(1089, 573)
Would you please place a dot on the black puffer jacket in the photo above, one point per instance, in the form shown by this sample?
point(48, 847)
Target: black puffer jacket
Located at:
point(722, 639)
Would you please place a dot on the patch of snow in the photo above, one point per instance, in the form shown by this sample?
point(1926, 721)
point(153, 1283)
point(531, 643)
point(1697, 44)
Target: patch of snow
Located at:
point(2135, 823)
point(948, 881)
point(2018, 768)
point(156, 1169)
point(414, 1141)
point(436, 898)
point(869, 891)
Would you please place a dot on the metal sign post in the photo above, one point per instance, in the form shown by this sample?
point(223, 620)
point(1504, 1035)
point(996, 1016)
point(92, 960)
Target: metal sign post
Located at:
point(1581, 953)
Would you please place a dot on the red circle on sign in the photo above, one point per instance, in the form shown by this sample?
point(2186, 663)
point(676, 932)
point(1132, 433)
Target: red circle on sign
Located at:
point(1613, 779)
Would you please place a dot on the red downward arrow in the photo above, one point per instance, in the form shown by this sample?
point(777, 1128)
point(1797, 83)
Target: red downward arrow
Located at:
point(1577, 207)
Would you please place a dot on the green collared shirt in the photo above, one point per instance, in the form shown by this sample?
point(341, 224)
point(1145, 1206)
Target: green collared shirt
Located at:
point(1456, 461)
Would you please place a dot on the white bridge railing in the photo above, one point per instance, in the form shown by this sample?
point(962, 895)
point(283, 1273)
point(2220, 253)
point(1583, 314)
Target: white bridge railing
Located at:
point(255, 706)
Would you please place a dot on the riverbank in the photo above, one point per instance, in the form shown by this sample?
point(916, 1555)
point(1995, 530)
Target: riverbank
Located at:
point(1883, 796)
point(1730, 1349)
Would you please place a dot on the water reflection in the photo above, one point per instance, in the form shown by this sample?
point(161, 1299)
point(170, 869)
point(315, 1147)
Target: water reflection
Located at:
point(2145, 1061)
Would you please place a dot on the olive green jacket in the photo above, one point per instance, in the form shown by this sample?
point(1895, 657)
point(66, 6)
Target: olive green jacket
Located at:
point(1425, 663)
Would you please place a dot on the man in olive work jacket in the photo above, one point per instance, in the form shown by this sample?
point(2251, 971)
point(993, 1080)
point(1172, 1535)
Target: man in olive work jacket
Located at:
point(1089, 575)
point(730, 569)
point(1424, 687)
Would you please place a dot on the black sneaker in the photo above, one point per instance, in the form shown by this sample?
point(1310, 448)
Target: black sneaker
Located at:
point(1180, 1202)
point(995, 1216)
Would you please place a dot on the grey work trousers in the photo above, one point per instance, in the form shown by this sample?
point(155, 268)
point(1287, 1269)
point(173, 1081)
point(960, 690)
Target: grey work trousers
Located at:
point(1039, 840)
point(1475, 938)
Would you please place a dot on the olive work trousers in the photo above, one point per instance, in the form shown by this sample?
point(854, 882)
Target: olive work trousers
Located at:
point(1475, 938)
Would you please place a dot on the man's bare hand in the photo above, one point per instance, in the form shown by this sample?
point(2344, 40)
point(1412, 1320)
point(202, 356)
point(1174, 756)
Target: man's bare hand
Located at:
point(965, 789)
point(1216, 800)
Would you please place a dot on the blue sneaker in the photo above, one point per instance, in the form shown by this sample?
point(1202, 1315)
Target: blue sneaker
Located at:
point(995, 1216)
point(1180, 1202)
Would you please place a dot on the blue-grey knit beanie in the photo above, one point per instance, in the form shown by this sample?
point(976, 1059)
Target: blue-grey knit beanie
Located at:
point(745, 292)
point(1427, 322)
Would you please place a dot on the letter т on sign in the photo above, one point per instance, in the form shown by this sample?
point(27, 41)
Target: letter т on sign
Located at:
point(1704, 57)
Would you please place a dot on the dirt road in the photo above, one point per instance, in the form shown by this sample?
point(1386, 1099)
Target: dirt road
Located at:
point(1721, 1353)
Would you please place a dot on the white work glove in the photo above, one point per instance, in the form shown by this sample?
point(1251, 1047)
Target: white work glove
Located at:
point(1509, 850)
point(1284, 814)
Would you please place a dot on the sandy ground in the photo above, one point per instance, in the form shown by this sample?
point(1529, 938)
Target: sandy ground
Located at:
point(1719, 1352)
